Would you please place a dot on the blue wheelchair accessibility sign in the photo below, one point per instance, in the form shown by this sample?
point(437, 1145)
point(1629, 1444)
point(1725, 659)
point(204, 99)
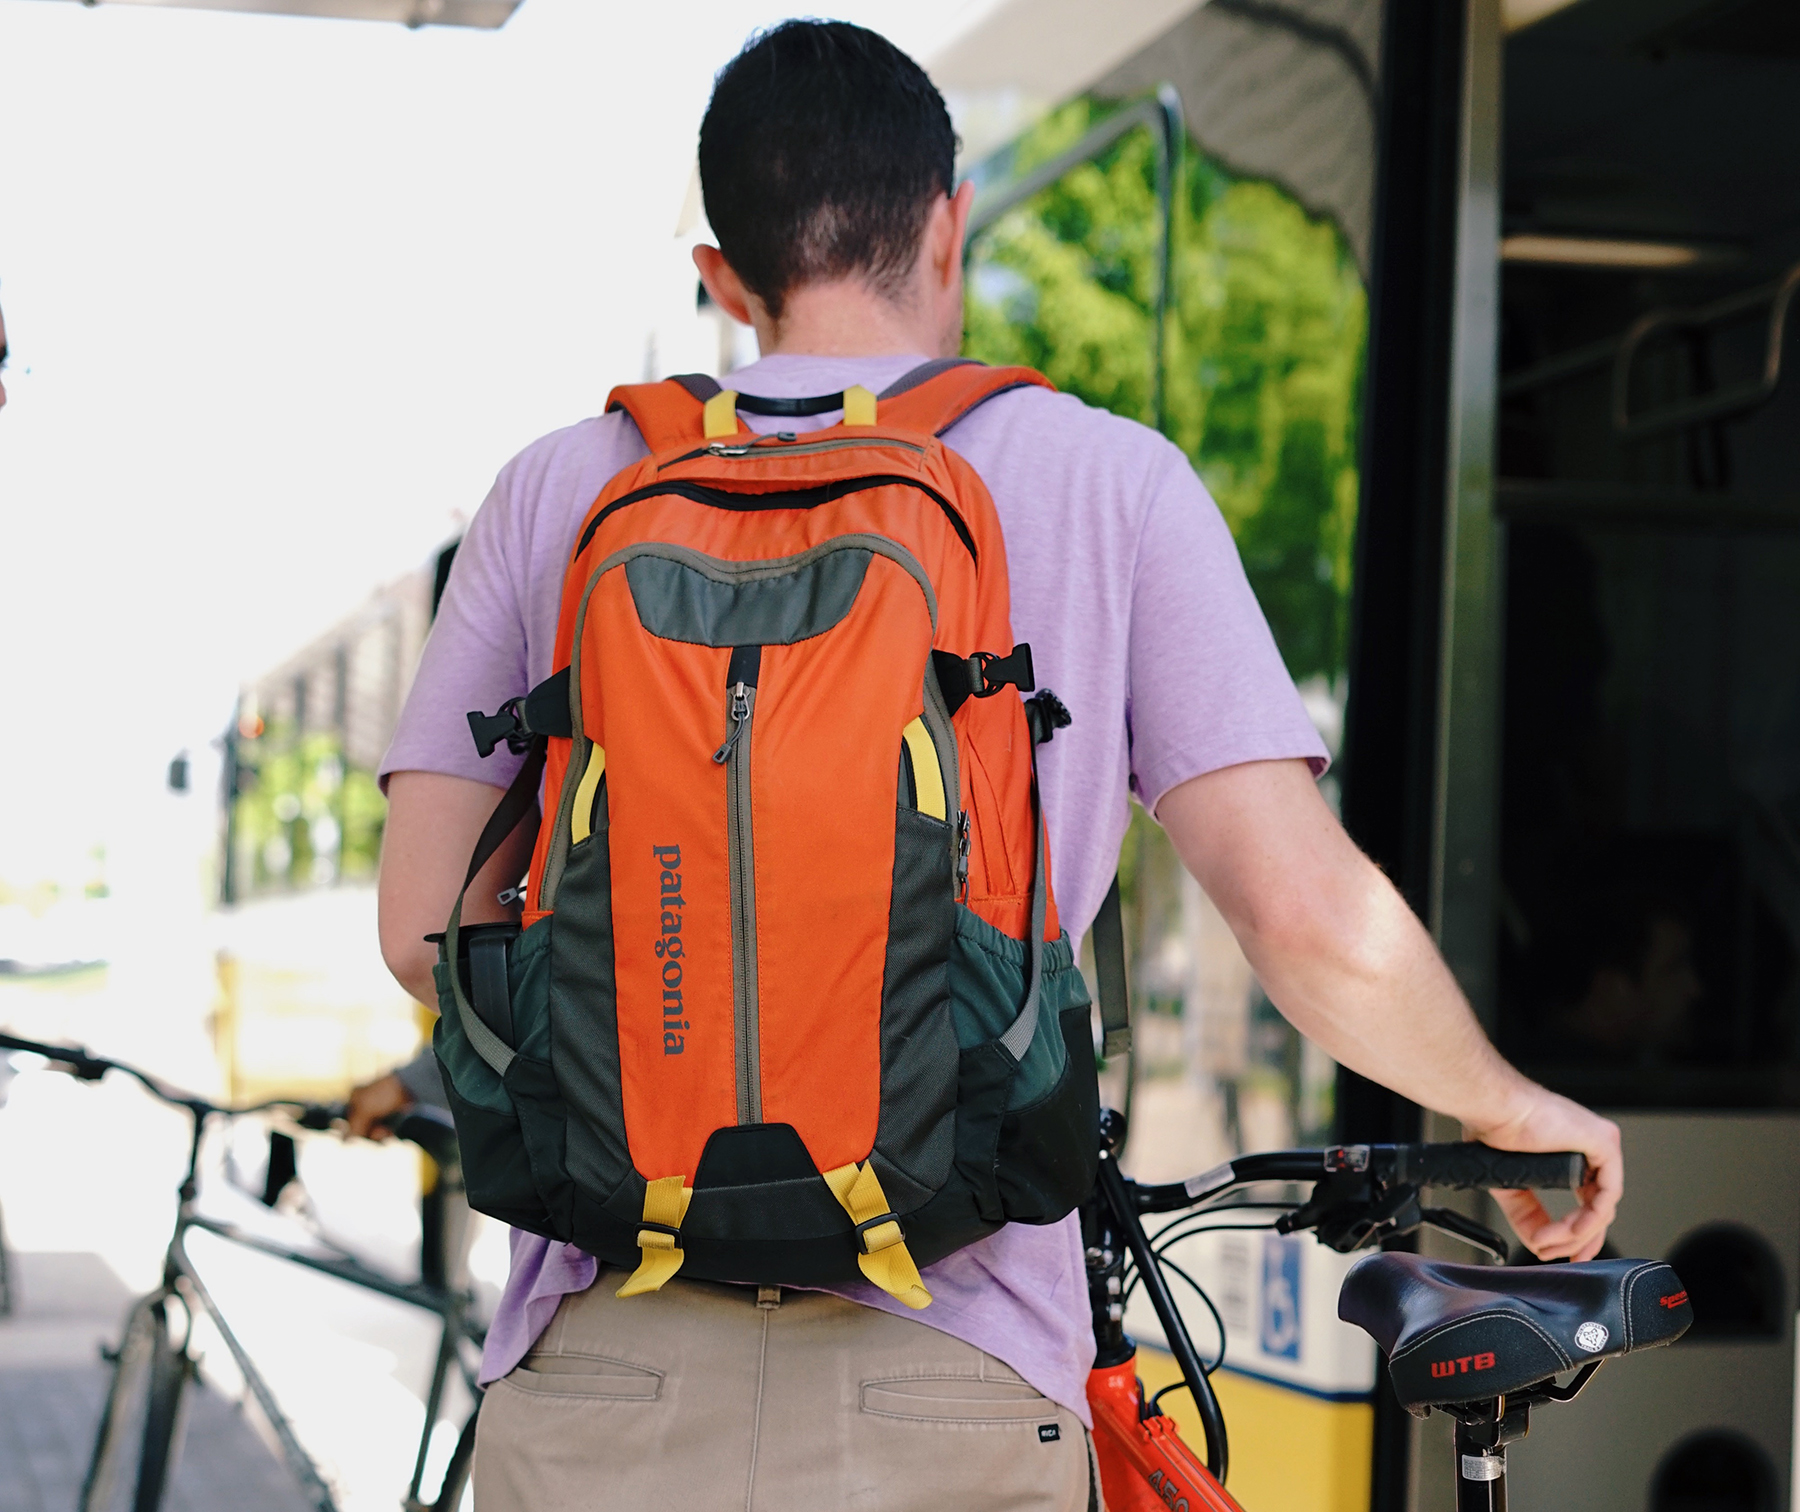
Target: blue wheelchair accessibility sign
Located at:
point(1281, 1299)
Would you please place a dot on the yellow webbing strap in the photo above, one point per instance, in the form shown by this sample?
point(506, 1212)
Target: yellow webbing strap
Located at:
point(666, 1202)
point(720, 414)
point(581, 822)
point(884, 1258)
point(859, 405)
point(928, 775)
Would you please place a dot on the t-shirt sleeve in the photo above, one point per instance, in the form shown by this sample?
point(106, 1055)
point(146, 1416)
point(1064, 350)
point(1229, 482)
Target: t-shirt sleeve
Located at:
point(475, 656)
point(1207, 687)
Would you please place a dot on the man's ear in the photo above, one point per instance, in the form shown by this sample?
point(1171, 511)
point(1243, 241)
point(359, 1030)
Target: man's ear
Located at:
point(721, 280)
point(938, 274)
point(944, 234)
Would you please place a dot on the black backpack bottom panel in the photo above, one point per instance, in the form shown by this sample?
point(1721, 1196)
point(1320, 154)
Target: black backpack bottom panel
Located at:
point(1032, 1164)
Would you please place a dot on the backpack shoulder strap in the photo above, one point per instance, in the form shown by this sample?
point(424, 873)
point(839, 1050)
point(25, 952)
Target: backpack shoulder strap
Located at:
point(935, 395)
point(930, 398)
point(691, 407)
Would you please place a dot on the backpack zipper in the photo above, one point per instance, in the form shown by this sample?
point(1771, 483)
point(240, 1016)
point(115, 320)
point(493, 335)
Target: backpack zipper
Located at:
point(794, 498)
point(734, 756)
point(769, 445)
point(943, 735)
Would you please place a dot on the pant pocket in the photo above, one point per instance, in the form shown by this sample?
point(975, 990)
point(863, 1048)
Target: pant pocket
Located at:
point(588, 1376)
point(957, 1399)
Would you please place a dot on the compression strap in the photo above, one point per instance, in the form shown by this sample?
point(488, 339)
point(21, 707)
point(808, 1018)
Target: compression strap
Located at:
point(881, 1252)
point(1109, 966)
point(659, 1241)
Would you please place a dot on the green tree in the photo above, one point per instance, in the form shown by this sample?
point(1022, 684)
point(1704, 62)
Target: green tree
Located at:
point(1264, 358)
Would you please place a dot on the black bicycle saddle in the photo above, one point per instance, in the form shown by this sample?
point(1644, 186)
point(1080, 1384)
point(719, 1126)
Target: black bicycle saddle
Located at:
point(1465, 1333)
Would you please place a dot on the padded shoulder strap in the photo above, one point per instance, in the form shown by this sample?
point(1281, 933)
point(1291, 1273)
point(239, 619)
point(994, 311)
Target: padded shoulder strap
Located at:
point(935, 395)
point(667, 413)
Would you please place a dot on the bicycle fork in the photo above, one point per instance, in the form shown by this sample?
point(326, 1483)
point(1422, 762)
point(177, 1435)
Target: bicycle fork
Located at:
point(1145, 1465)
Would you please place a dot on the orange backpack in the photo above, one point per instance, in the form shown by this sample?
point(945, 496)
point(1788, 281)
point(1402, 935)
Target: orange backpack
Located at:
point(789, 1000)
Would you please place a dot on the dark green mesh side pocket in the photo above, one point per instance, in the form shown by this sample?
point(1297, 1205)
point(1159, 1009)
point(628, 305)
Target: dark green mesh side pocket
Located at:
point(1049, 1149)
point(510, 1129)
point(1039, 1160)
point(544, 1125)
point(988, 972)
point(496, 1170)
point(1047, 1143)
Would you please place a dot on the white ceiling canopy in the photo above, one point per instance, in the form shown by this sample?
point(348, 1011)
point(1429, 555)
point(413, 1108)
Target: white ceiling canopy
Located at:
point(483, 13)
point(1281, 89)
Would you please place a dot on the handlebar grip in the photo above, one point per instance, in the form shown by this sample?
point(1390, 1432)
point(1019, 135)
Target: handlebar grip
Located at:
point(1470, 1166)
point(431, 1131)
point(320, 1116)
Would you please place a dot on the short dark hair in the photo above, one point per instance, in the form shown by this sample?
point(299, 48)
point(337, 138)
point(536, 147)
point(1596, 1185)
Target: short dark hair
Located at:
point(821, 154)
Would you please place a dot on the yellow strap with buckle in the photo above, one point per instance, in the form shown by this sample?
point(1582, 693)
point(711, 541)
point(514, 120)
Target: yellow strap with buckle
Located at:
point(882, 1255)
point(665, 1204)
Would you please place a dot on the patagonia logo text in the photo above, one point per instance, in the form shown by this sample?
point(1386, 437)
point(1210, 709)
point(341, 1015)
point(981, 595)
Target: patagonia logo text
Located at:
point(1462, 1365)
point(669, 948)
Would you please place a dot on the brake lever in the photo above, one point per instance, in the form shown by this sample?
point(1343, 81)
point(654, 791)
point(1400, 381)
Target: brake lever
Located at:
point(1446, 1221)
point(1349, 1213)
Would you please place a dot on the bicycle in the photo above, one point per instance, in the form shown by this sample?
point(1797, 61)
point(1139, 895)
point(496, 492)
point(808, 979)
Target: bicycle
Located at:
point(6, 1288)
point(154, 1361)
point(1514, 1330)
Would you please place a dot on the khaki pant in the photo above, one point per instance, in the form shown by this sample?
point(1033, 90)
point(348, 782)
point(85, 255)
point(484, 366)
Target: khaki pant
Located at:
point(713, 1396)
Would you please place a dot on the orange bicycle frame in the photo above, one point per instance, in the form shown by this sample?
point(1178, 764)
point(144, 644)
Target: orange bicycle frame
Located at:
point(1145, 1466)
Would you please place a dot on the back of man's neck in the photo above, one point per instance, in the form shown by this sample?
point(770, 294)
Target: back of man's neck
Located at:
point(843, 319)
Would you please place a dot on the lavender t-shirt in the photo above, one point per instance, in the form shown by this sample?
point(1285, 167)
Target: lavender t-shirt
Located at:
point(1127, 586)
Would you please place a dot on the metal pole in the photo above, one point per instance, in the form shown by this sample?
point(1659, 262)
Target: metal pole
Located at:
point(1162, 114)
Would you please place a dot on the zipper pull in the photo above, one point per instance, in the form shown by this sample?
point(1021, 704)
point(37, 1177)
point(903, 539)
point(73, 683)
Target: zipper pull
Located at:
point(962, 855)
point(739, 715)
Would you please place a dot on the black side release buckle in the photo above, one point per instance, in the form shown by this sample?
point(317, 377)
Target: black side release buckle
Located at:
point(508, 724)
point(983, 674)
point(522, 721)
point(989, 673)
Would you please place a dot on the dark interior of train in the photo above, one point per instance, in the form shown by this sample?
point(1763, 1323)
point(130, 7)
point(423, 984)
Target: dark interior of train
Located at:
point(1649, 489)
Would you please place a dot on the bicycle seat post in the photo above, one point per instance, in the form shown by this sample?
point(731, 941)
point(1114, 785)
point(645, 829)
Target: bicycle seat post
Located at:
point(1481, 1439)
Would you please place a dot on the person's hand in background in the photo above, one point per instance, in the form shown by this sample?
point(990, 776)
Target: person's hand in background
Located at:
point(376, 1102)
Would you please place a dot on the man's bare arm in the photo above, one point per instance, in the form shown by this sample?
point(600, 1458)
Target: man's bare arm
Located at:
point(1350, 966)
point(433, 823)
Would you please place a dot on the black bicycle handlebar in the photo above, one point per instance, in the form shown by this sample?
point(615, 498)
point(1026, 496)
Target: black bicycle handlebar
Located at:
point(426, 1127)
point(431, 1129)
point(1461, 1166)
point(1467, 1167)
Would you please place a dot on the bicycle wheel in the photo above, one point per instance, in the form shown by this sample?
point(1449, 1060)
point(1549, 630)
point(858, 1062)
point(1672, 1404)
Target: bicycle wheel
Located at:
point(164, 1417)
point(456, 1473)
point(6, 1291)
point(134, 1446)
